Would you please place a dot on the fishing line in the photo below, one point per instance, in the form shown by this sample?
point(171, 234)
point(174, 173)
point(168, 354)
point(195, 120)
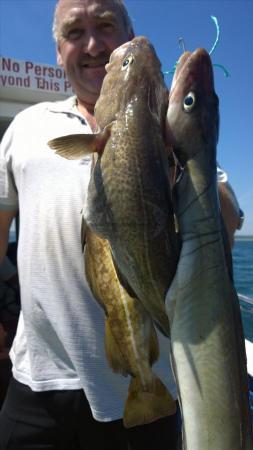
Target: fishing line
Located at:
point(172, 71)
point(217, 35)
point(225, 71)
point(181, 41)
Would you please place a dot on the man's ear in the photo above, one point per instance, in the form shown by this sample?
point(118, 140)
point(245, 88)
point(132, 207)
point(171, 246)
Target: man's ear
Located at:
point(58, 56)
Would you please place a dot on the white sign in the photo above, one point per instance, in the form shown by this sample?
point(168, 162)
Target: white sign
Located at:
point(37, 77)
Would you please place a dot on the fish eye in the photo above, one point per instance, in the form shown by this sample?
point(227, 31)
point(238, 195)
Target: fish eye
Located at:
point(127, 61)
point(189, 102)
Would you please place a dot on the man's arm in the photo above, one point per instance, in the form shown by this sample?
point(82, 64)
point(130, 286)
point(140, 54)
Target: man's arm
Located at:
point(229, 209)
point(5, 223)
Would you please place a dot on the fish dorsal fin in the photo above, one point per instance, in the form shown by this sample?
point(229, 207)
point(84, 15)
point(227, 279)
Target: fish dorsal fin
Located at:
point(75, 146)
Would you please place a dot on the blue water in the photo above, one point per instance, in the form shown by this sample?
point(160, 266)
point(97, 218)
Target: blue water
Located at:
point(243, 279)
point(243, 276)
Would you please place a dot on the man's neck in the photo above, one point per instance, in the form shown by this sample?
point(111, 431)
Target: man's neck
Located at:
point(87, 110)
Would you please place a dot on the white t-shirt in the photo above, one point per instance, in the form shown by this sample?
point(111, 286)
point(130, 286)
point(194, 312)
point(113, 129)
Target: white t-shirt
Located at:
point(60, 337)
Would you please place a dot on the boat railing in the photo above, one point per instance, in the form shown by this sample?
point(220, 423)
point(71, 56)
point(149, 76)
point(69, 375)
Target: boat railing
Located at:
point(246, 299)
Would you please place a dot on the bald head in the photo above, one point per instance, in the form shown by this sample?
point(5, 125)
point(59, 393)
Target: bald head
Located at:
point(64, 5)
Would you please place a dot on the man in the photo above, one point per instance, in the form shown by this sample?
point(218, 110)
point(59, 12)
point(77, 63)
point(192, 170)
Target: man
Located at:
point(63, 394)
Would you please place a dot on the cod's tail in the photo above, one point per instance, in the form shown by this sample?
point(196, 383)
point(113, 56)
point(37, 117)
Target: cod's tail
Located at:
point(146, 406)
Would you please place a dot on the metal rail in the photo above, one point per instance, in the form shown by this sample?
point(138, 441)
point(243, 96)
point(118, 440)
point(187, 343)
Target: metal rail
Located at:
point(246, 299)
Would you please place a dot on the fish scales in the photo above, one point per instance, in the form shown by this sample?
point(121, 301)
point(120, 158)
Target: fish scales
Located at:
point(133, 171)
point(207, 339)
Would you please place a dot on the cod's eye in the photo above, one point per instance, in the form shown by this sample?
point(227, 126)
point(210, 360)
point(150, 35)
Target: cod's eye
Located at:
point(127, 61)
point(189, 102)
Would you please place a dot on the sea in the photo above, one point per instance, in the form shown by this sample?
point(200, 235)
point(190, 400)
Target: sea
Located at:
point(243, 280)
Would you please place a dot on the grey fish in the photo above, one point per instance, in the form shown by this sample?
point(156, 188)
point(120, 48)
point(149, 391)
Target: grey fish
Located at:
point(208, 349)
point(129, 197)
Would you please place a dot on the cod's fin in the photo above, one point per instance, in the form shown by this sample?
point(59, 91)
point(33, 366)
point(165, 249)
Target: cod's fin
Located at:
point(114, 355)
point(75, 146)
point(146, 406)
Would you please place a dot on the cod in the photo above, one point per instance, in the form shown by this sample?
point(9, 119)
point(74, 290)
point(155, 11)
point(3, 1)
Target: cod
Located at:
point(129, 226)
point(207, 340)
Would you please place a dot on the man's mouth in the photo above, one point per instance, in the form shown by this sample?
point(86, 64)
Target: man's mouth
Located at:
point(94, 64)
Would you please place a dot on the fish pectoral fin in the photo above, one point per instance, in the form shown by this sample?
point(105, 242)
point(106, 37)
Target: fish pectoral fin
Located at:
point(75, 146)
point(144, 406)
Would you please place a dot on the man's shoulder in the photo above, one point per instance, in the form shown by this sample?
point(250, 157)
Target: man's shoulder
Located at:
point(33, 111)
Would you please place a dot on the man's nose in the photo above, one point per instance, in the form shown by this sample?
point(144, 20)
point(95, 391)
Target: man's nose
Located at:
point(93, 44)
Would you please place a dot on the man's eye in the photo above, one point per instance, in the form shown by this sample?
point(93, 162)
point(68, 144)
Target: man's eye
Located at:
point(74, 34)
point(107, 26)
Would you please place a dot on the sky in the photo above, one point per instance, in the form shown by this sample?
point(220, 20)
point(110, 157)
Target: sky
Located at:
point(25, 34)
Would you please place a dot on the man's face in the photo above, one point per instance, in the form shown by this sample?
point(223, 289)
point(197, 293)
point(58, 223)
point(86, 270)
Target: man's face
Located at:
point(88, 32)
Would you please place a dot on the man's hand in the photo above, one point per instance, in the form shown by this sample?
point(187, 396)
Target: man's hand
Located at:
point(229, 209)
point(6, 218)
